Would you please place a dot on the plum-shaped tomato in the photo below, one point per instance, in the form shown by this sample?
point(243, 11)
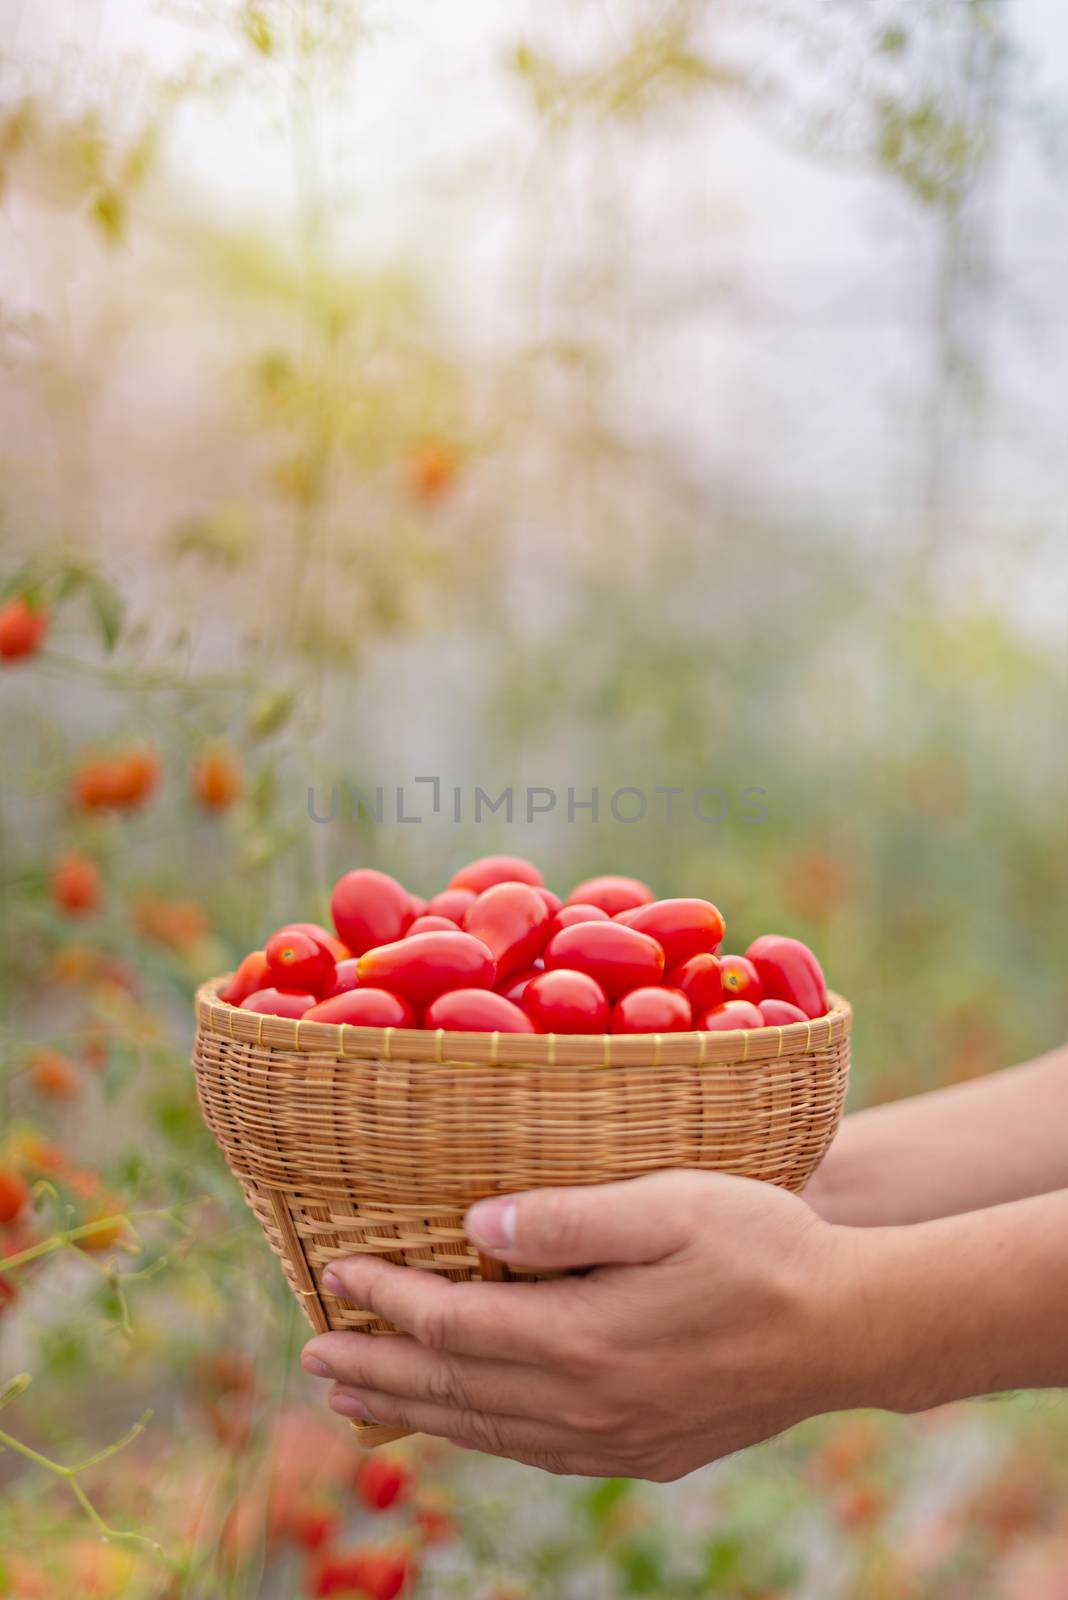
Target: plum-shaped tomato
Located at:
point(612, 894)
point(683, 927)
point(451, 903)
point(296, 960)
point(427, 923)
point(488, 870)
point(732, 1014)
point(513, 988)
point(652, 1010)
point(512, 920)
point(364, 1008)
point(617, 958)
point(430, 964)
point(252, 974)
point(566, 1002)
point(789, 971)
point(741, 981)
point(568, 915)
point(273, 1002)
point(780, 1013)
point(700, 980)
point(476, 1011)
point(369, 908)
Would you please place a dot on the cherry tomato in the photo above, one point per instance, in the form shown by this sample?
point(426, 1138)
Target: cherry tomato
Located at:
point(612, 894)
point(369, 908)
point(346, 978)
point(22, 628)
point(700, 980)
point(566, 1002)
point(780, 1013)
point(741, 981)
point(297, 961)
point(552, 900)
point(14, 1194)
point(513, 988)
point(430, 924)
point(512, 920)
point(76, 884)
point(364, 1008)
point(216, 779)
point(789, 971)
point(339, 951)
point(430, 964)
point(273, 1002)
point(476, 1011)
point(488, 870)
point(252, 974)
point(618, 958)
point(732, 1014)
point(685, 928)
point(451, 903)
point(568, 915)
point(652, 1010)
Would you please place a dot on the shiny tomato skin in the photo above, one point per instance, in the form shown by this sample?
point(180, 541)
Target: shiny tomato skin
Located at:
point(416, 905)
point(369, 908)
point(252, 974)
point(364, 1008)
point(684, 928)
point(618, 958)
point(476, 1011)
point(298, 961)
point(731, 1014)
point(551, 898)
point(567, 916)
point(513, 988)
point(346, 978)
point(487, 870)
point(273, 1002)
point(613, 894)
point(427, 923)
point(512, 920)
point(339, 951)
point(780, 1013)
point(420, 969)
point(451, 903)
point(652, 1010)
point(700, 980)
point(741, 980)
point(564, 1001)
point(789, 971)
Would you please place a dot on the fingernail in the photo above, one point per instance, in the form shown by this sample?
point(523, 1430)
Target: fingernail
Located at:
point(332, 1283)
point(349, 1405)
point(317, 1368)
point(491, 1224)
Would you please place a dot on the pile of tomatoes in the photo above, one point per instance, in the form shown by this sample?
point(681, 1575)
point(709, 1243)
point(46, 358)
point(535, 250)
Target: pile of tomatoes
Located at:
point(498, 951)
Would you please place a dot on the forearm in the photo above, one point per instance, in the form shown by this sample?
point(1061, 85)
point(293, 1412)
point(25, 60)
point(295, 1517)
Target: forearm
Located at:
point(978, 1144)
point(968, 1305)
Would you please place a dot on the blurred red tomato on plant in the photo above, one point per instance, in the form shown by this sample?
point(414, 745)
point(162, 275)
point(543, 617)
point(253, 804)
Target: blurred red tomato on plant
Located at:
point(116, 783)
point(53, 1075)
point(618, 958)
point(789, 971)
point(432, 469)
point(77, 887)
point(512, 920)
point(566, 1001)
point(683, 927)
point(366, 1573)
point(14, 1193)
point(23, 626)
point(741, 981)
point(369, 908)
point(612, 893)
point(382, 1481)
point(216, 779)
point(364, 1007)
point(652, 1010)
point(177, 924)
point(430, 964)
point(476, 1011)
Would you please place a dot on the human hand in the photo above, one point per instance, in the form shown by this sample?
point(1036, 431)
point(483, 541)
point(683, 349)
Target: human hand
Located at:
point(718, 1312)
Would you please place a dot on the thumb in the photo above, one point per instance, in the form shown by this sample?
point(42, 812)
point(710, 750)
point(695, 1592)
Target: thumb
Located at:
point(640, 1220)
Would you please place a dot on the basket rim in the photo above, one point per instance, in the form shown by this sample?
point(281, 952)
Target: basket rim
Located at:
point(440, 1046)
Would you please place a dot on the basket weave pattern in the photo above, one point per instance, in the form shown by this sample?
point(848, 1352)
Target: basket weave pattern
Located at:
point(366, 1140)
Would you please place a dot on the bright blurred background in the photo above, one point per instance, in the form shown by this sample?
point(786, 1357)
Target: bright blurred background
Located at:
point(625, 395)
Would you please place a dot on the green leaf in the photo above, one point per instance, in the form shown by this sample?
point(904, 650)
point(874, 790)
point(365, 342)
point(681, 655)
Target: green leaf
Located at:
point(109, 213)
point(641, 1566)
point(109, 609)
point(271, 711)
point(257, 31)
point(601, 1500)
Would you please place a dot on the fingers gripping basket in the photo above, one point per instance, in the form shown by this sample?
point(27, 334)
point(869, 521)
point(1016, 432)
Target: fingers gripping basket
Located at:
point(349, 1140)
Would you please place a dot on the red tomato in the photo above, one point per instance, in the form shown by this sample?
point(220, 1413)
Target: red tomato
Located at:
point(369, 908)
point(741, 981)
point(364, 1008)
point(684, 927)
point(76, 884)
point(430, 964)
point(566, 1002)
point(612, 894)
point(346, 978)
point(279, 1002)
point(216, 779)
point(252, 974)
point(514, 987)
point(476, 1011)
point(780, 1013)
point(339, 951)
point(310, 1527)
point(789, 971)
point(429, 924)
point(700, 981)
point(618, 958)
point(551, 899)
point(451, 903)
point(382, 1481)
point(297, 961)
point(512, 920)
point(22, 627)
point(652, 1010)
point(370, 1574)
point(732, 1014)
point(488, 870)
point(568, 915)
point(14, 1194)
point(416, 905)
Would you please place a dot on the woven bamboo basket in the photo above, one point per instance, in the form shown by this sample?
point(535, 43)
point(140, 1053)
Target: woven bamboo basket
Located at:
point(349, 1140)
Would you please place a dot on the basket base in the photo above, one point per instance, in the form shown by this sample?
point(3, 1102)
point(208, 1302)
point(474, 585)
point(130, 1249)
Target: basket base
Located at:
point(369, 1435)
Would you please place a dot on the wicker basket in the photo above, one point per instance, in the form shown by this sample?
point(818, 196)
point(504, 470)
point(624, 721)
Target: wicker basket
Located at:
point(349, 1139)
